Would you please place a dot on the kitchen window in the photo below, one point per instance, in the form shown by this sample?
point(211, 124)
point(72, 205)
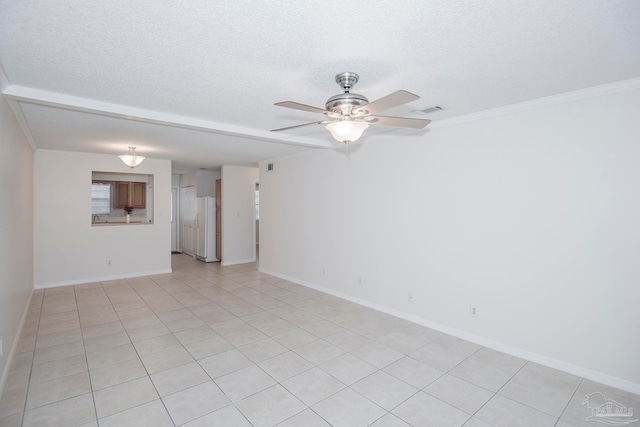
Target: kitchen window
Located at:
point(100, 199)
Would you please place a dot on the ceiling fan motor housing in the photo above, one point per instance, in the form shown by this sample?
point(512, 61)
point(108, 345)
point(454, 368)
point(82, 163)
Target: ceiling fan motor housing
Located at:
point(346, 102)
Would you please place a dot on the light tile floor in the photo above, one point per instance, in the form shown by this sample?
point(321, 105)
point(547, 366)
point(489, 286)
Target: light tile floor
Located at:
point(229, 346)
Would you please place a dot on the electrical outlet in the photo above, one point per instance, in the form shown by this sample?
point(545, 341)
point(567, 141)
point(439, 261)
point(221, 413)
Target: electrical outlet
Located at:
point(410, 297)
point(360, 282)
point(324, 271)
point(473, 311)
point(108, 262)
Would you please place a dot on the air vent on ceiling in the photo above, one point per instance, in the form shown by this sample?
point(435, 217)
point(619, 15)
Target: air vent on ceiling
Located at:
point(429, 110)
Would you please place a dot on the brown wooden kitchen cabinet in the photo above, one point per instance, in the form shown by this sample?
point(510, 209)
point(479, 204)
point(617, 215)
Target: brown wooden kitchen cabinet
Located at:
point(131, 193)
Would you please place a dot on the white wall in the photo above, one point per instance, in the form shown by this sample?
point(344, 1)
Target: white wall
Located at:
point(68, 249)
point(16, 232)
point(532, 216)
point(203, 180)
point(238, 214)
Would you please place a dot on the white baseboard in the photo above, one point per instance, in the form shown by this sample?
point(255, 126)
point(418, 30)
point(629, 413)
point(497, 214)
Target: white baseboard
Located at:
point(14, 346)
point(225, 263)
point(99, 279)
point(560, 365)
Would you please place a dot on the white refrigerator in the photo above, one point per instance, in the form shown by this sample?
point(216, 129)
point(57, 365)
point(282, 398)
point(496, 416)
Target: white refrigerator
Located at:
point(206, 229)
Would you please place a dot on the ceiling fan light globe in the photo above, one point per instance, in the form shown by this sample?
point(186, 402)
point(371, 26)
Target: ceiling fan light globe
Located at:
point(347, 130)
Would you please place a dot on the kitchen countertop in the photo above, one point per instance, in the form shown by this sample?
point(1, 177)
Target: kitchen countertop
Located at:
point(121, 223)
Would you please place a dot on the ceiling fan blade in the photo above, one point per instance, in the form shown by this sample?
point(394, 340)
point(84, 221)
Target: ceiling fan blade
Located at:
point(303, 107)
point(305, 124)
point(392, 100)
point(404, 122)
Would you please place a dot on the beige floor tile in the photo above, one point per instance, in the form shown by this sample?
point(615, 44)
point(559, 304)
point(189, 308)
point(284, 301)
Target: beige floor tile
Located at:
point(89, 298)
point(124, 396)
point(26, 344)
point(348, 340)
point(384, 390)
point(227, 416)
point(58, 368)
point(347, 368)
point(13, 401)
point(146, 332)
point(199, 333)
point(348, 408)
point(244, 336)
point(167, 359)
point(60, 306)
point(17, 379)
point(51, 391)
point(306, 418)
point(295, 338)
point(23, 360)
point(151, 414)
point(129, 304)
point(209, 347)
point(488, 369)
point(156, 344)
point(138, 318)
point(312, 386)
point(96, 331)
point(97, 315)
point(106, 342)
point(194, 402)
point(59, 338)
point(285, 365)
point(70, 412)
point(459, 393)
point(424, 410)
point(240, 326)
point(376, 355)
point(85, 286)
point(500, 411)
point(545, 389)
point(57, 352)
point(59, 326)
point(224, 363)
point(270, 406)
point(111, 356)
point(413, 372)
point(14, 420)
point(318, 351)
point(262, 350)
point(117, 373)
point(581, 405)
point(179, 378)
point(184, 324)
point(474, 422)
point(244, 382)
point(390, 420)
point(205, 309)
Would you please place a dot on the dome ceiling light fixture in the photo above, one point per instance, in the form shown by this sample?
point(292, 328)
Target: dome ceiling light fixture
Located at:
point(348, 114)
point(131, 159)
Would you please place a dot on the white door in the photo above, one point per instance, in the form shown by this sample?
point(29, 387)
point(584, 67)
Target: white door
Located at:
point(174, 219)
point(187, 220)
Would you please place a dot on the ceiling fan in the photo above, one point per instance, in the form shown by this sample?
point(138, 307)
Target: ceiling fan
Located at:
point(349, 114)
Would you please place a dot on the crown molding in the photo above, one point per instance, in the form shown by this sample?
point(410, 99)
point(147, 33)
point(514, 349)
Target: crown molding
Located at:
point(547, 101)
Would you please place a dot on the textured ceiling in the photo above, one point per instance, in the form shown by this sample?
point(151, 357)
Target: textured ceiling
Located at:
point(195, 81)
